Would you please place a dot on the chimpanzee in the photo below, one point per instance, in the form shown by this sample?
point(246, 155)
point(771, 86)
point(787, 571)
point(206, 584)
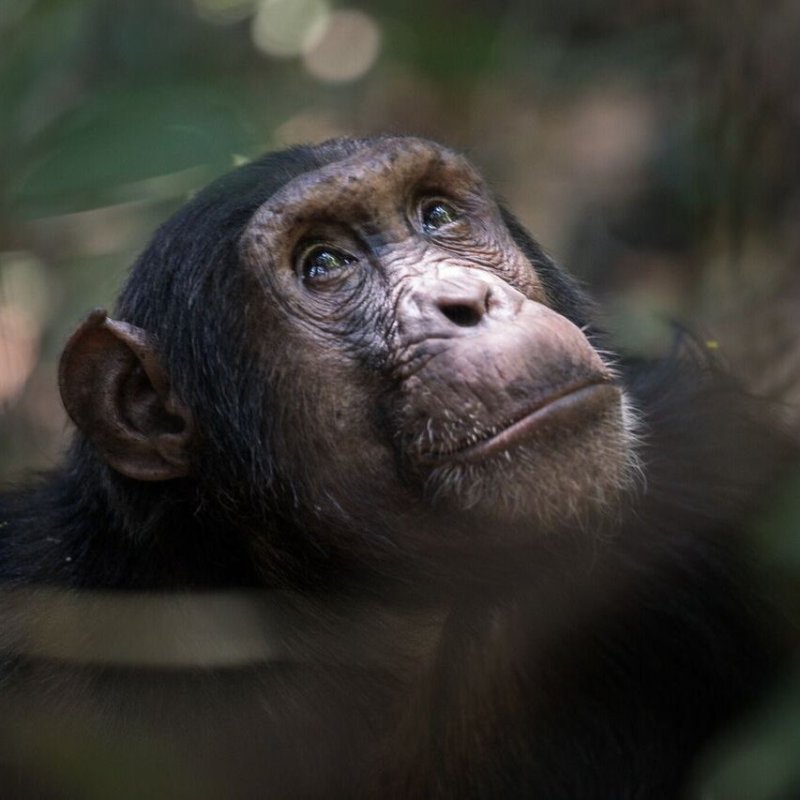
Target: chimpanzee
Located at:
point(360, 504)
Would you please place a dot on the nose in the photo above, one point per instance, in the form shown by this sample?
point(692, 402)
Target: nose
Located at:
point(464, 307)
point(449, 304)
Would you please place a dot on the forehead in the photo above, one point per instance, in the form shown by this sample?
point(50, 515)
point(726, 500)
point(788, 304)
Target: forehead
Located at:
point(382, 170)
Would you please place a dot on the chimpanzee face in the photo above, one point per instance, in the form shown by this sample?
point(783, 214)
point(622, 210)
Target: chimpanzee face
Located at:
point(415, 349)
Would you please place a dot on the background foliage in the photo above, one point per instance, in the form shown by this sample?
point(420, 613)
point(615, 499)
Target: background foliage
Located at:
point(650, 144)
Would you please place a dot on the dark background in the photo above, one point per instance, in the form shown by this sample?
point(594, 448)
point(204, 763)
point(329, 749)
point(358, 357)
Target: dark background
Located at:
point(652, 146)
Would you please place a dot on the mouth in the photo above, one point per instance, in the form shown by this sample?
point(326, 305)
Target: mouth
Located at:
point(568, 408)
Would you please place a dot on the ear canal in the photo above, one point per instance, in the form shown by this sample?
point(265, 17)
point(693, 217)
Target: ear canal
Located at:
point(118, 393)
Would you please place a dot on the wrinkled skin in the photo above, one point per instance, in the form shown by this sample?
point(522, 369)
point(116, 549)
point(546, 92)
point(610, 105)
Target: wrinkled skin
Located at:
point(476, 395)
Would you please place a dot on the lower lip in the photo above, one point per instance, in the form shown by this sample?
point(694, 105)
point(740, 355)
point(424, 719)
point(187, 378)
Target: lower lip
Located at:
point(570, 409)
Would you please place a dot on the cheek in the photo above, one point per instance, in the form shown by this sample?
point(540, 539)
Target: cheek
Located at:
point(329, 438)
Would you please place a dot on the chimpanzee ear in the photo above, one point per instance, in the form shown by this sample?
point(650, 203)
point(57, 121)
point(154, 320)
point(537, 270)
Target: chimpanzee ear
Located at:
point(117, 392)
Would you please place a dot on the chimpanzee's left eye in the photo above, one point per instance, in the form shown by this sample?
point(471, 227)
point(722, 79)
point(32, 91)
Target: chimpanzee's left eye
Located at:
point(322, 261)
point(435, 214)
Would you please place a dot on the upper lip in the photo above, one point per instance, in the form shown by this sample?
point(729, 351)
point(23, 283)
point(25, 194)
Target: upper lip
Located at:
point(566, 400)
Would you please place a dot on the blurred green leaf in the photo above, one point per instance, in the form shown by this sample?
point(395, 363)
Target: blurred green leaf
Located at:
point(761, 761)
point(123, 136)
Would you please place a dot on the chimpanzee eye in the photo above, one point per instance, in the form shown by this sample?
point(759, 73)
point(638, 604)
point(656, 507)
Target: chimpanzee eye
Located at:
point(435, 214)
point(321, 262)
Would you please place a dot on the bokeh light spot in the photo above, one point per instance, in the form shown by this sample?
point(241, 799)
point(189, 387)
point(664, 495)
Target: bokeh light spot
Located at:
point(24, 281)
point(309, 127)
point(19, 350)
point(286, 28)
point(24, 301)
point(349, 47)
point(224, 12)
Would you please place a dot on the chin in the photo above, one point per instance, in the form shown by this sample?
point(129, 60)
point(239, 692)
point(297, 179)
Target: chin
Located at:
point(555, 479)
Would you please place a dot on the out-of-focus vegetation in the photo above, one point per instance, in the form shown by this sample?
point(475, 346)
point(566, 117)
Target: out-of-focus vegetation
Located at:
point(652, 145)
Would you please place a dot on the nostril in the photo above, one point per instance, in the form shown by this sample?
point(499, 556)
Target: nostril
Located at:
point(464, 316)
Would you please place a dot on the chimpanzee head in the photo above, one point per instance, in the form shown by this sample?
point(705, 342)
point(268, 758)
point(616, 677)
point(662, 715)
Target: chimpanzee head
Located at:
point(348, 334)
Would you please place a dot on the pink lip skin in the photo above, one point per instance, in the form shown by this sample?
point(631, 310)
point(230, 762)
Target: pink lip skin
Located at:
point(571, 405)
